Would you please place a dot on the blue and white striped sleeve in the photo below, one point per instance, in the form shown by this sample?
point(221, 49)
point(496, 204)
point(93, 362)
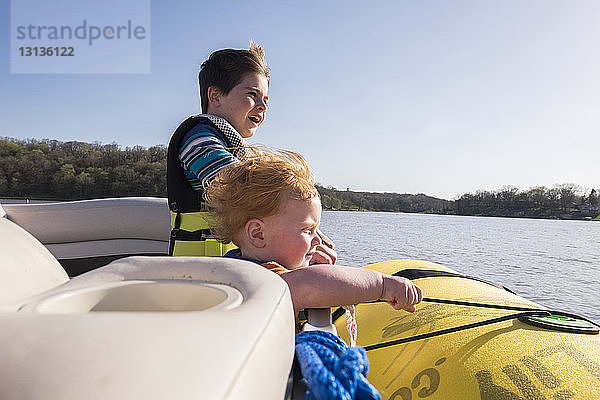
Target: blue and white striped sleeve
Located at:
point(202, 155)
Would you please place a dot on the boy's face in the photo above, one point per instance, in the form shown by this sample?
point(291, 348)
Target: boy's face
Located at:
point(292, 232)
point(245, 106)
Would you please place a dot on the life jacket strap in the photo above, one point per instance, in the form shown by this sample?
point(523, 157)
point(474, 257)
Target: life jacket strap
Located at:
point(189, 221)
point(191, 236)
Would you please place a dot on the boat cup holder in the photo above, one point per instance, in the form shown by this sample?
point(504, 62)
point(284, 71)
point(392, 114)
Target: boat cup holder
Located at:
point(141, 296)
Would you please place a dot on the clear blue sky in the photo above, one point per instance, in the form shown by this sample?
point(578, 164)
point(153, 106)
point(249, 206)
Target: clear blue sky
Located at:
point(435, 97)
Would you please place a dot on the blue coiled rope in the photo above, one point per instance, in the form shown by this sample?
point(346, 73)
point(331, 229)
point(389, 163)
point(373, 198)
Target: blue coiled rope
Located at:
point(333, 370)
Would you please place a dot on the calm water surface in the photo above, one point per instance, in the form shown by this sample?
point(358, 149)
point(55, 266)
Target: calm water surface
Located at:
point(552, 262)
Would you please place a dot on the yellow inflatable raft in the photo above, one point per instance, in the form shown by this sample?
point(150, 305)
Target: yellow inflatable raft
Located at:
point(452, 351)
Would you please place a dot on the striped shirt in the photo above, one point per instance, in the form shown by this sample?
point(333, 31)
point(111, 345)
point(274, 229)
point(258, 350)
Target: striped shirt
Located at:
point(204, 151)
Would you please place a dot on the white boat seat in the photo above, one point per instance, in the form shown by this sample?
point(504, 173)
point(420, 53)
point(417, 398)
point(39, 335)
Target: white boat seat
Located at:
point(27, 267)
point(136, 329)
point(97, 228)
point(78, 221)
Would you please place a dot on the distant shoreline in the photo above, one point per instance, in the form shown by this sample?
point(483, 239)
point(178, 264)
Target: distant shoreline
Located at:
point(36, 201)
point(472, 215)
point(77, 170)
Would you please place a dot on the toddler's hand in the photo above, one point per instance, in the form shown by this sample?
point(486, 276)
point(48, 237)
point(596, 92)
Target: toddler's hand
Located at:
point(325, 253)
point(400, 293)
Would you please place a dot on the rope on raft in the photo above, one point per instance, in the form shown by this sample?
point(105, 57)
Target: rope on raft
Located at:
point(333, 370)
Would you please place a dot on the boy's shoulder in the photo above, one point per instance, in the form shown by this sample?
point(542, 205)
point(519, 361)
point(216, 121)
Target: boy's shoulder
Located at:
point(197, 123)
point(200, 125)
point(275, 267)
point(207, 124)
point(270, 265)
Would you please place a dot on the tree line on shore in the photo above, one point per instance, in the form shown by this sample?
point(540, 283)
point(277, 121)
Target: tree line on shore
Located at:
point(566, 201)
point(55, 170)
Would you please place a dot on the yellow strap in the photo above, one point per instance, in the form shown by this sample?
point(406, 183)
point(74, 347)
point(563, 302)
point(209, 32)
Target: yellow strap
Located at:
point(191, 222)
point(195, 221)
point(208, 247)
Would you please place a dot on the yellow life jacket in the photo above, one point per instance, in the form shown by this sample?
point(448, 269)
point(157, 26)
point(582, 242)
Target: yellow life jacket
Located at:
point(190, 236)
point(190, 233)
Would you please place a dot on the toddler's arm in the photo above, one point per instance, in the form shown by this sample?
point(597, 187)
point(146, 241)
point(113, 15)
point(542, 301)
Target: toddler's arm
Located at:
point(329, 286)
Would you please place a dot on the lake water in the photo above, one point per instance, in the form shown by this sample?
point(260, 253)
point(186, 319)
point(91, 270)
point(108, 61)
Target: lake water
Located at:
point(552, 262)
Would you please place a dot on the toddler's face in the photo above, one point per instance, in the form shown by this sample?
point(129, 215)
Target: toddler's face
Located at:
point(245, 106)
point(292, 232)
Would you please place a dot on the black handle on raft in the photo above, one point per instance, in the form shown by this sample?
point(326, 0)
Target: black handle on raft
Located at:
point(473, 304)
point(524, 313)
point(554, 313)
point(455, 329)
point(482, 305)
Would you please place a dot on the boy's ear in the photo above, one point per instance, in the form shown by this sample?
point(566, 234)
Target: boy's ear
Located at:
point(255, 233)
point(214, 95)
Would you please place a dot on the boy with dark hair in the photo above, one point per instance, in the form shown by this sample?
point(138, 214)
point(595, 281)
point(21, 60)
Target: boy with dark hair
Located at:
point(225, 68)
point(234, 88)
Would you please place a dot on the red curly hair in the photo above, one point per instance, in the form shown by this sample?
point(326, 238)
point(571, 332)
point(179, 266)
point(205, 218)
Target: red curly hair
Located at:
point(255, 187)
